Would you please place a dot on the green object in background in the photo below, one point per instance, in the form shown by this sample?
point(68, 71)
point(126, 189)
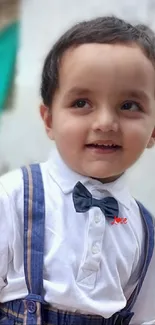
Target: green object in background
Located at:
point(8, 53)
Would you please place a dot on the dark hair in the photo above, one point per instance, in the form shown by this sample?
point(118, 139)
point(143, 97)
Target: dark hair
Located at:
point(100, 30)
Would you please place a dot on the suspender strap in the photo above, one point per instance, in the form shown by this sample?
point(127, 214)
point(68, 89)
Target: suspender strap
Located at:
point(147, 255)
point(34, 228)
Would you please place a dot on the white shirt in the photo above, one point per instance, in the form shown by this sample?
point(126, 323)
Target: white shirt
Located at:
point(90, 265)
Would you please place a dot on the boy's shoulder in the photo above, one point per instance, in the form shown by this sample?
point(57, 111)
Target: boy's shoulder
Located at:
point(11, 183)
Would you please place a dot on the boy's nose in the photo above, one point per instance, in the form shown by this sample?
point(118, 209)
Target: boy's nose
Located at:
point(106, 120)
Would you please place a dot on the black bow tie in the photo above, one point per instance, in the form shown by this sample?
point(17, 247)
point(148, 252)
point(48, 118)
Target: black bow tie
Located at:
point(83, 201)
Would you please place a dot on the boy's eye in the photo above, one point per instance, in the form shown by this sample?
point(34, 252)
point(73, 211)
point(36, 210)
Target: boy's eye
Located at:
point(131, 106)
point(81, 103)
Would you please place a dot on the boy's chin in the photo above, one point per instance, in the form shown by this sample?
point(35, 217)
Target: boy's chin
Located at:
point(107, 179)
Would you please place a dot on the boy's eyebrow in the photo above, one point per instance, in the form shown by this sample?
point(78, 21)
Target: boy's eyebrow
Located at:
point(136, 93)
point(78, 91)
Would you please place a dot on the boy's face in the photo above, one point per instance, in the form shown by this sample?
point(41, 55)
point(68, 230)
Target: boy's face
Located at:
point(103, 113)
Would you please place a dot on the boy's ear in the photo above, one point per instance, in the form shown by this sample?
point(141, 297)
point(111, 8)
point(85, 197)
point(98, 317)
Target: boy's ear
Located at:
point(47, 119)
point(151, 142)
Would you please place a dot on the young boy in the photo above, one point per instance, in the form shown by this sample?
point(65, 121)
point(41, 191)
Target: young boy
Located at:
point(75, 246)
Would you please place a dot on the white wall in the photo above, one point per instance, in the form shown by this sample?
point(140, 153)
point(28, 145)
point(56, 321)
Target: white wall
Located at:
point(22, 137)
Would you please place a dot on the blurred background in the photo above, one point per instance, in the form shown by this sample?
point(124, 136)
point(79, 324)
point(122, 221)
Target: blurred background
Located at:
point(28, 29)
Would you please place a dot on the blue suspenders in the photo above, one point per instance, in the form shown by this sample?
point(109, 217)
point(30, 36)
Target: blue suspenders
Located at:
point(147, 255)
point(33, 310)
point(34, 225)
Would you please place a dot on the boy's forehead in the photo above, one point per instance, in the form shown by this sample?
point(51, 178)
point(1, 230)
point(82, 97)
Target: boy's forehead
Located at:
point(101, 63)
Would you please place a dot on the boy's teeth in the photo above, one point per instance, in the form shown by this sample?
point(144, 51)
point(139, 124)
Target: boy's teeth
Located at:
point(105, 145)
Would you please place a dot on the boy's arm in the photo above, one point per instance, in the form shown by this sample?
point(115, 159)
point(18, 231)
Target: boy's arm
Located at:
point(4, 236)
point(144, 308)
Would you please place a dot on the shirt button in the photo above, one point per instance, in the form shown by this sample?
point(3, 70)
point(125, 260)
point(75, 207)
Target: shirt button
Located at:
point(31, 306)
point(95, 249)
point(97, 218)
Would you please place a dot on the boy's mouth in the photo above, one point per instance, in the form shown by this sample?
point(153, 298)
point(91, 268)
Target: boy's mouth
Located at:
point(104, 147)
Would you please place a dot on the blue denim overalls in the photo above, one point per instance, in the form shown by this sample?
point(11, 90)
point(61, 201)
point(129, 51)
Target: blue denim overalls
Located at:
point(33, 310)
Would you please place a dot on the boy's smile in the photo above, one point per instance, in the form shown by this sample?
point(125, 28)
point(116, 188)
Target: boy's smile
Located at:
point(103, 112)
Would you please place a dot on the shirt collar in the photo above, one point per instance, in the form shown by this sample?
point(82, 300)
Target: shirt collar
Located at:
point(66, 179)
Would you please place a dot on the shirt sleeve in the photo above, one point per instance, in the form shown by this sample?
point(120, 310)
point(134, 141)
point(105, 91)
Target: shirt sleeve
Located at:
point(4, 236)
point(144, 308)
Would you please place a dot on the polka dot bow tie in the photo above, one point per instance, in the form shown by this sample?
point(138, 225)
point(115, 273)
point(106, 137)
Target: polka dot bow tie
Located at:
point(83, 201)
